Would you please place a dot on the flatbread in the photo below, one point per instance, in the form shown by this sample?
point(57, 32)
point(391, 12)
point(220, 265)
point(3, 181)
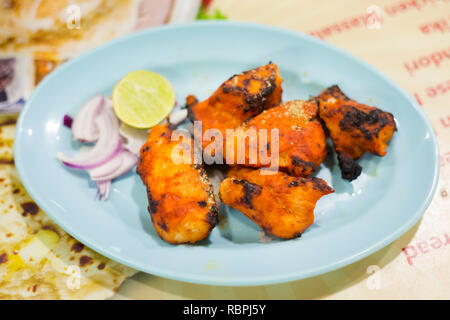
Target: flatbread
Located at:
point(38, 260)
point(64, 27)
point(7, 140)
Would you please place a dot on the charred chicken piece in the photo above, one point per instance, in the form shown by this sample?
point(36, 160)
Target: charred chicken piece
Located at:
point(240, 97)
point(280, 204)
point(181, 201)
point(301, 139)
point(354, 129)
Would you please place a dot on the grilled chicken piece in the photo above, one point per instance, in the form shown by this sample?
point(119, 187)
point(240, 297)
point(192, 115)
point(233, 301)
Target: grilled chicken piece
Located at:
point(354, 129)
point(301, 139)
point(239, 98)
point(181, 201)
point(280, 204)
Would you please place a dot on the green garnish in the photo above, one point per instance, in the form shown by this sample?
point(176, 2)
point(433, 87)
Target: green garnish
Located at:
point(204, 15)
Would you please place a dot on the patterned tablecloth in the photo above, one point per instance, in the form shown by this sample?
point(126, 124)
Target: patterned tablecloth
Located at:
point(411, 44)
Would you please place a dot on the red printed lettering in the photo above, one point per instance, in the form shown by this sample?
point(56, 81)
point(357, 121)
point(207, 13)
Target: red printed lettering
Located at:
point(410, 253)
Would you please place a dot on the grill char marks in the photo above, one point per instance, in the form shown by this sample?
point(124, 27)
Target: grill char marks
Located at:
point(191, 101)
point(301, 167)
point(356, 118)
point(254, 103)
point(180, 197)
point(350, 169)
point(299, 147)
point(354, 128)
point(239, 98)
point(280, 204)
point(250, 191)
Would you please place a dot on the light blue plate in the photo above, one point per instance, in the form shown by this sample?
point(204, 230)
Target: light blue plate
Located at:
point(361, 217)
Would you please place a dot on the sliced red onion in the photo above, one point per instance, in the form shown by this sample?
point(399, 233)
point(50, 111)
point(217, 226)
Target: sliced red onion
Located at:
point(108, 145)
point(107, 168)
point(84, 126)
point(129, 160)
point(108, 188)
point(133, 139)
point(264, 238)
point(108, 102)
point(216, 177)
point(107, 159)
point(103, 189)
point(68, 121)
point(100, 189)
point(178, 116)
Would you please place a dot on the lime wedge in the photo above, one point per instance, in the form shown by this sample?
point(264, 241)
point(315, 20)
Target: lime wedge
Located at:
point(142, 99)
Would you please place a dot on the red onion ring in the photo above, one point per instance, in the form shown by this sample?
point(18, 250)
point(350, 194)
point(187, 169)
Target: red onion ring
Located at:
point(103, 189)
point(107, 159)
point(84, 126)
point(107, 168)
point(129, 160)
point(108, 145)
point(133, 139)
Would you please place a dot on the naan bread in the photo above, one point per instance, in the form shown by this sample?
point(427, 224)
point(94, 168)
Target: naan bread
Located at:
point(38, 260)
point(7, 140)
point(51, 25)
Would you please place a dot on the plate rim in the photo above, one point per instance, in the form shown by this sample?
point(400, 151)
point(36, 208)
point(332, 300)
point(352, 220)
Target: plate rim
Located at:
point(214, 279)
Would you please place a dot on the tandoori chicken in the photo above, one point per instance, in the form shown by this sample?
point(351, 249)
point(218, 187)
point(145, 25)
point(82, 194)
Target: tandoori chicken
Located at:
point(180, 197)
point(354, 129)
point(280, 204)
point(240, 97)
point(298, 147)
